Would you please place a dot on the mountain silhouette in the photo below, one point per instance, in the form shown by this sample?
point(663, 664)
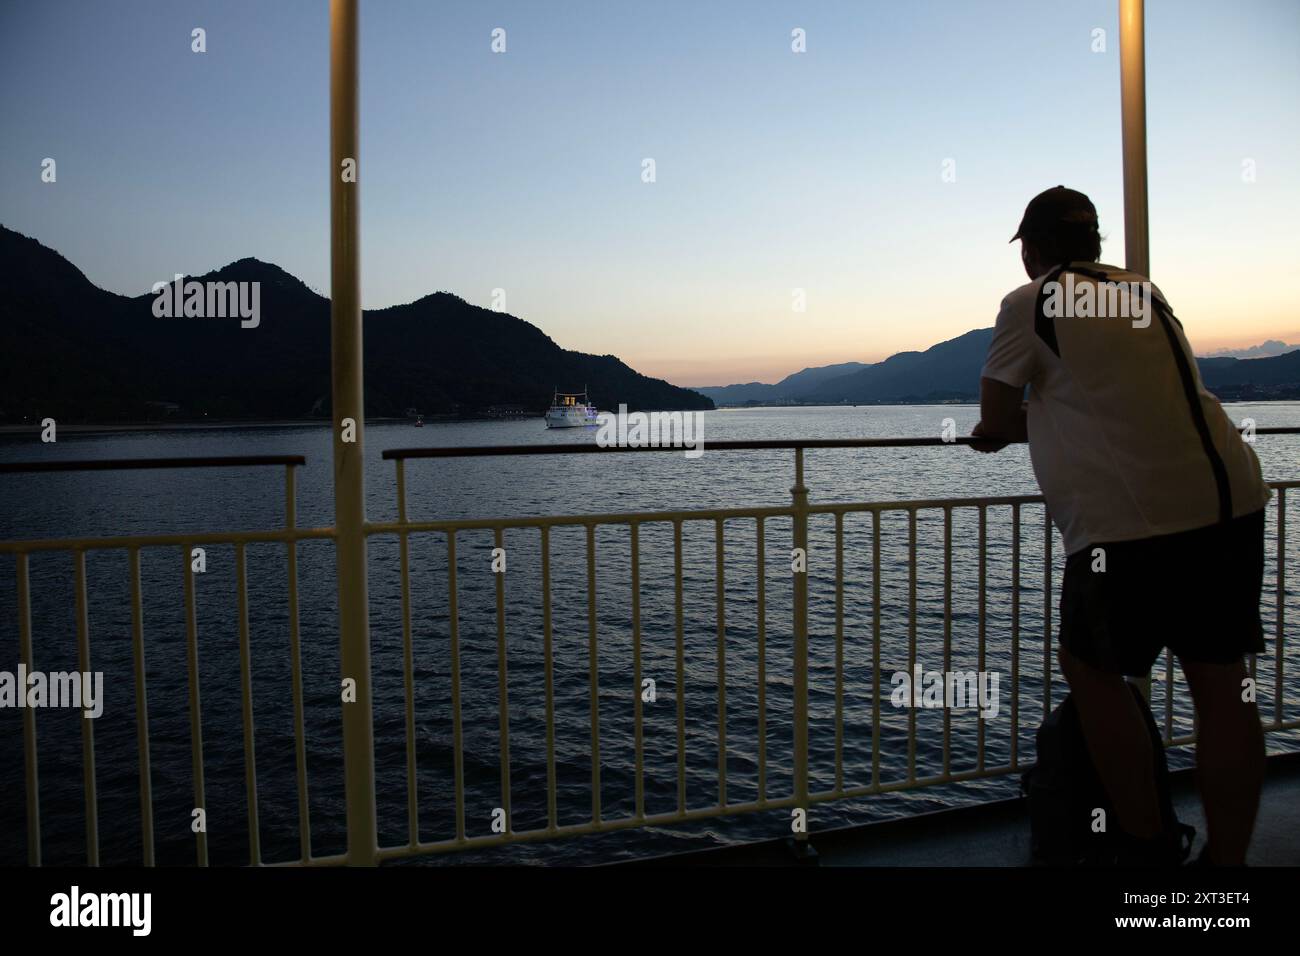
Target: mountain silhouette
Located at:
point(800, 383)
point(77, 353)
point(950, 371)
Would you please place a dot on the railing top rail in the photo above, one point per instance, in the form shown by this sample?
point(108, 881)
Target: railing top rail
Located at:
point(584, 448)
point(112, 464)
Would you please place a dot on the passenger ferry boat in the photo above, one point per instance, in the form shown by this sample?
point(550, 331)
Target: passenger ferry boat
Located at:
point(567, 411)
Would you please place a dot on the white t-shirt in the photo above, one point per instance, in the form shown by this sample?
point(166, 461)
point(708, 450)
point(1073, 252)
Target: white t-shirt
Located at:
point(1112, 437)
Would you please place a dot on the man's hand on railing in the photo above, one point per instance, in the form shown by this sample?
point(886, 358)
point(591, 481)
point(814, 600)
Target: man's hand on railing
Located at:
point(989, 446)
point(1003, 416)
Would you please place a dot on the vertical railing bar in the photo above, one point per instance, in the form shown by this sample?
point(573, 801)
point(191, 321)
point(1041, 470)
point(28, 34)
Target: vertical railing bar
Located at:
point(875, 647)
point(761, 535)
point(839, 651)
point(549, 671)
point(593, 674)
point(1281, 606)
point(458, 748)
point(637, 715)
point(295, 666)
point(799, 520)
point(141, 710)
point(246, 695)
point(503, 684)
point(681, 667)
point(1047, 613)
point(1015, 636)
point(195, 708)
point(23, 585)
point(947, 633)
point(982, 629)
point(720, 585)
point(911, 644)
point(87, 726)
point(408, 663)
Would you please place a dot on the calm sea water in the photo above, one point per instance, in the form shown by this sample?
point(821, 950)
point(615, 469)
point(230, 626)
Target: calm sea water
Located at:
point(140, 502)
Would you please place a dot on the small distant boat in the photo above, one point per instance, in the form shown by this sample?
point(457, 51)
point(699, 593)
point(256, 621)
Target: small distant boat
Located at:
point(571, 410)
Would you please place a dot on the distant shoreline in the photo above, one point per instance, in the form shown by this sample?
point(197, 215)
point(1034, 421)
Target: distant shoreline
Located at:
point(109, 427)
point(742, 406)
point(118, 427)
point(90, 428)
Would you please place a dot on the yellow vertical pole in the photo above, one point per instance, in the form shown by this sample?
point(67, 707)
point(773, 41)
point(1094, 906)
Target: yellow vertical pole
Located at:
point(348, 427)
point(1133, 117)
point(1133, 112)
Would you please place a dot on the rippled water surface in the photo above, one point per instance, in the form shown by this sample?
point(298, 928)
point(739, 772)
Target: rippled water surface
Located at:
point(735, 642)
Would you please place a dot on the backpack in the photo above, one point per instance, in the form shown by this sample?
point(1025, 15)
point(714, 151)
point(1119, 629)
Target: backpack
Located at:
point(1064, 791)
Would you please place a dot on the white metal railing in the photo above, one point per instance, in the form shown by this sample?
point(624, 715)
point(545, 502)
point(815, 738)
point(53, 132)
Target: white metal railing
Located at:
point(290, 535)
point(798, 513)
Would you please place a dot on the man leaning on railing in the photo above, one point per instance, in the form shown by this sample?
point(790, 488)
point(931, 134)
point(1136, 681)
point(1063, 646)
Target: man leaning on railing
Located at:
point(1161, 506)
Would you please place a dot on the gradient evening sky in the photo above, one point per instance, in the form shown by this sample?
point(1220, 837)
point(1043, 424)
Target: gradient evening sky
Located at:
point(775, 170)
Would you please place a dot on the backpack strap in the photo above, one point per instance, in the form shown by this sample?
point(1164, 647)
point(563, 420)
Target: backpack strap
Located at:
point(1167, 322)
point(1044, 324)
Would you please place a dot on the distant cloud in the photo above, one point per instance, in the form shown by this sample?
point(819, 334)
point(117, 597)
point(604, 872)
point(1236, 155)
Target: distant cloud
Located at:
point(1263, 350)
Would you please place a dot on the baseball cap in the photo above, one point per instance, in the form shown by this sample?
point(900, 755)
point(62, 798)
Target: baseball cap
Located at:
point(1054, 207)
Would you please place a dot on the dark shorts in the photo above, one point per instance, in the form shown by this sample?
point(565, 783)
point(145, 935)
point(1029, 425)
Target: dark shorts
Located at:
point(1195, 592)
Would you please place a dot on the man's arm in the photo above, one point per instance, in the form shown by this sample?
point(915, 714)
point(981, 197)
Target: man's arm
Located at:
point(1010, 365)
point(1002, 416)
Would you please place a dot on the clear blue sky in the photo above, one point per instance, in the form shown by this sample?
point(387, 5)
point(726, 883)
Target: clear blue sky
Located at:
point(775, 170)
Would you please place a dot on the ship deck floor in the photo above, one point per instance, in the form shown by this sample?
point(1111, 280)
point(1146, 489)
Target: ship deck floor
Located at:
point(997, 833)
